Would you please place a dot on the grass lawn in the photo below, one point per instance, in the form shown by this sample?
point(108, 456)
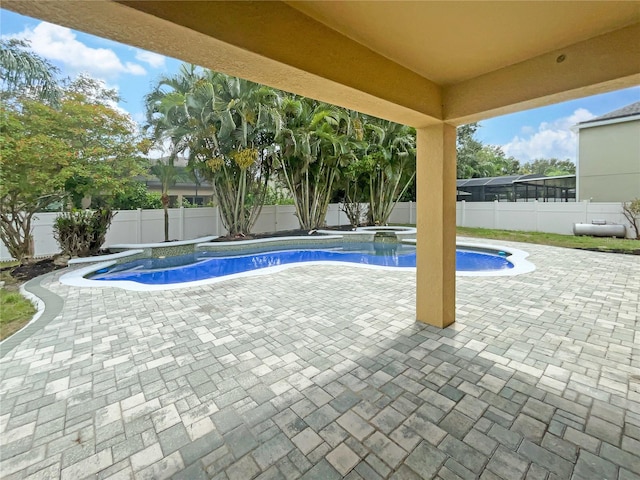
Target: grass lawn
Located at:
point(15, 311)
point(602, 244)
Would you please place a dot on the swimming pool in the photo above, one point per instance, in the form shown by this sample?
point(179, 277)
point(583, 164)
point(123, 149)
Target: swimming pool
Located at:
point(212, 266)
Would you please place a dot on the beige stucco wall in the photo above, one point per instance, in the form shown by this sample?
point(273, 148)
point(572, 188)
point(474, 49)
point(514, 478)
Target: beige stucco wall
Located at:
point(609, 162)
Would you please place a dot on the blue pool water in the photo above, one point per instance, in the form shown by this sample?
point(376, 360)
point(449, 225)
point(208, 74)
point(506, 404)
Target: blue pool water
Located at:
point(205, 265)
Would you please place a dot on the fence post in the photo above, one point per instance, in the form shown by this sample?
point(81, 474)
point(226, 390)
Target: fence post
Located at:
point(585, 204)
point(463, 219)
point(275, 218)
point(139, 226)
point(410, 212)
point(217, 214)
point(536, 214)
point(181, 224)
point(495, 214)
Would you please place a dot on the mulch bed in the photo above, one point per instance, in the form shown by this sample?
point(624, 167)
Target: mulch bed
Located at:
point(26, 272)
point(283, 233)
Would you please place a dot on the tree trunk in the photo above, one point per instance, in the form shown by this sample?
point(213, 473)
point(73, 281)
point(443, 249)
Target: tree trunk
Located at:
point(15, 231)
point(165, 205)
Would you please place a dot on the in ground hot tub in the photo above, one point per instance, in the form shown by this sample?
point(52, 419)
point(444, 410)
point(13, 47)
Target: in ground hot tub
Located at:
point(397, 233)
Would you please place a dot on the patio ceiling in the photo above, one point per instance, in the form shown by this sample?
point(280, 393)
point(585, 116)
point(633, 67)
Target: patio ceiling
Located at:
point(412, 62)
point(450, 42)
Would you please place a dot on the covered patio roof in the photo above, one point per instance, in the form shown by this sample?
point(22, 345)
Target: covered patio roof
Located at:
point(411, 62)
point(432, 65)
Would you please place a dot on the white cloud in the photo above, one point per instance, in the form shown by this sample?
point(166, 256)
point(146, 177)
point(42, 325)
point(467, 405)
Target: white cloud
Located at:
point(551, 140)
point(153, 59)
point(134, 69)
point(61, 45)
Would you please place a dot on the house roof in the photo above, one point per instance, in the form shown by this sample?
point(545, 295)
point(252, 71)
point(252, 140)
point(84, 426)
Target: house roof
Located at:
point(628, 111)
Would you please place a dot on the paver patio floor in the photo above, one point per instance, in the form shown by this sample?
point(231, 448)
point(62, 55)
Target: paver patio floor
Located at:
point(322, 372)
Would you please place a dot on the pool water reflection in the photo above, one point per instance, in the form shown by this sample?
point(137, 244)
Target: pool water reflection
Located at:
point(207, 265)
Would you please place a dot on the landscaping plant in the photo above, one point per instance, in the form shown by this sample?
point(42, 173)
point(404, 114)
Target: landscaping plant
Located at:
point(81, 233)
point(225, 126)
point(317, 142)
point(391, 149)
point(56, 146)
point(631, 211)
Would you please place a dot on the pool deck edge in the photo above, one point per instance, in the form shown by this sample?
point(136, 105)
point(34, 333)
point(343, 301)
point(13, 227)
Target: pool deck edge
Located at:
point(49, 306)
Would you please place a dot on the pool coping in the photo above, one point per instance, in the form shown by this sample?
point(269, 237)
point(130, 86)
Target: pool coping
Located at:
point(105, 258)
point(284, 241)
point(516, 256)
point(77, 278)
point(177, 243)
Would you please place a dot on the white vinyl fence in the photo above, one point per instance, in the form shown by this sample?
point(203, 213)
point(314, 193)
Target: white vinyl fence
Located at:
point(538, 216)
point(552, 217)
point(147, 226)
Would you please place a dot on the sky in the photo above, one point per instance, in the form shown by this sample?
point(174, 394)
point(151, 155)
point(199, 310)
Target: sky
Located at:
point(538, 133)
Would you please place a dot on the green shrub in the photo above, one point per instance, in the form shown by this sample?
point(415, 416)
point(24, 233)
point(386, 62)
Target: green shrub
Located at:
point(81, 233)
point(135, 196)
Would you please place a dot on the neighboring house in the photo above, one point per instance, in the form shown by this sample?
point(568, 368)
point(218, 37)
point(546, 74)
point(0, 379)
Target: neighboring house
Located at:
point(185, 188)
point(200, 195)
point(608, 166)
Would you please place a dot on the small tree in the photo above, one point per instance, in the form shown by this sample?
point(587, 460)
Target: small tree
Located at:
point(631, 211)
point(168, 176)
point(31, 162)
point(78, 148)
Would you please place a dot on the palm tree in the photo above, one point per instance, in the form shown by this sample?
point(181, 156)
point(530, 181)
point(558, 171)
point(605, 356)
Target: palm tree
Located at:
point(225, 126)
point(167, 174)
point(23, 72)
point(355, 189)
point(391, 155)
point(166, 119)
point(317, 141)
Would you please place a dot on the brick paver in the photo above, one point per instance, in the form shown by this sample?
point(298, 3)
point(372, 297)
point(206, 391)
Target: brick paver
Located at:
point(321, 372)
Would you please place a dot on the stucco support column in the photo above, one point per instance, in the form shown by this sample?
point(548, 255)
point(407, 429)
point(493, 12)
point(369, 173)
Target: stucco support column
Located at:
point(436, 223)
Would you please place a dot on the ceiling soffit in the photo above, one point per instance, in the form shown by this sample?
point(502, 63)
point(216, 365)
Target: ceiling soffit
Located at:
point(451, 42)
